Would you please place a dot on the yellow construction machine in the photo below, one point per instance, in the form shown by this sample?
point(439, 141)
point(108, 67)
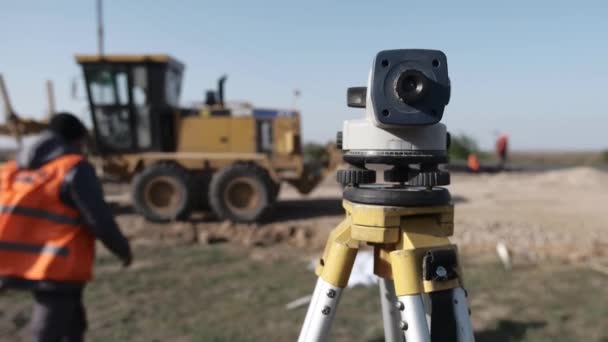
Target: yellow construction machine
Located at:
point(183, 159)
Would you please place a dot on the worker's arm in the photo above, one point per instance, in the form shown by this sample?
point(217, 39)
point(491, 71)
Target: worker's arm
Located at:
point(83, 191)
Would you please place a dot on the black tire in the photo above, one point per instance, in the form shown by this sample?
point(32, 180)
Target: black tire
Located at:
point(241, 193)
point(200, 190)
point(276, 189)
point(162, 193)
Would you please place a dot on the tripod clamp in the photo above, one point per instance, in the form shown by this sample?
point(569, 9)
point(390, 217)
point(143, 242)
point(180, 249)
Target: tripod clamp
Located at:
point(440, 265)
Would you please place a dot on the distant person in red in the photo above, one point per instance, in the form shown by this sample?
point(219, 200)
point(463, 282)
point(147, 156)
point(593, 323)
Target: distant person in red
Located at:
point(502, 147)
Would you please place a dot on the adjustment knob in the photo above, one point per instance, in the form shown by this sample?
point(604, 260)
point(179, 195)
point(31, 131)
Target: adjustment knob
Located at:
point(430, 178)
point(356, 176)
point(339, 140)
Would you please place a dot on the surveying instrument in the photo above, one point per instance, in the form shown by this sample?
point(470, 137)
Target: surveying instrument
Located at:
point(408, 218)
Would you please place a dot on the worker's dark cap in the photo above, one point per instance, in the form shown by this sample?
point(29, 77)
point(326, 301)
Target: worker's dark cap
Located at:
point(68, 126)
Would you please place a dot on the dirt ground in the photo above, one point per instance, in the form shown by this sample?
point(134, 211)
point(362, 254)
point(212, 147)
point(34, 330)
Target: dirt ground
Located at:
point(555, 214)
point(205, 280)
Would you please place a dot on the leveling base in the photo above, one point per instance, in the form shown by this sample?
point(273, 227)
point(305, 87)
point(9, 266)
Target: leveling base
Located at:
point(420, 280)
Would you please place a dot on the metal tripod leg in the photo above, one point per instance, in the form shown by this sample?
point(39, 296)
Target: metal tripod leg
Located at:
point(390, 313)
point(321, 312)
point(413, 316)
point(461, 314)
point(311, 306)
point(428, 306)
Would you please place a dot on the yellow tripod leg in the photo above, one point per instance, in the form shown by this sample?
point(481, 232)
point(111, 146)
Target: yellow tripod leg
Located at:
point(424, 262)
point(333, 270)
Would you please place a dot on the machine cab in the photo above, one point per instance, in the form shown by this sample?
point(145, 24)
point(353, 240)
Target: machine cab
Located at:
point(133, 101)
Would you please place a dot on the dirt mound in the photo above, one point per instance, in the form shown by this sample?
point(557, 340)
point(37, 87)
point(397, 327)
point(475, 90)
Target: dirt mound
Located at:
point(302, 234)
point(577, 176)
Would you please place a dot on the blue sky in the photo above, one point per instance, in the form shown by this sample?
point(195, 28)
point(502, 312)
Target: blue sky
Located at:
point(537, 69)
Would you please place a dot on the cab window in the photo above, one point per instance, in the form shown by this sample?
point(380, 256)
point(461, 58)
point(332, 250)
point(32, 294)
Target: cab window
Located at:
point(141, 106)
point(173, 86)
point(109, 88)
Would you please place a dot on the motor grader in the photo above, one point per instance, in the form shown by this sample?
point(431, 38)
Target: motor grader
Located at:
point(179, 160)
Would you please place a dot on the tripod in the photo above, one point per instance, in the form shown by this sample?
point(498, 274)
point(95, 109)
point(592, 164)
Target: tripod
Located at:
point(420, 280)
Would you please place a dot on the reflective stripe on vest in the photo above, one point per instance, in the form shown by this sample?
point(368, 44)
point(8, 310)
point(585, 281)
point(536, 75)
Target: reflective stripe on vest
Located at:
point(35, 249)
point(39, 213)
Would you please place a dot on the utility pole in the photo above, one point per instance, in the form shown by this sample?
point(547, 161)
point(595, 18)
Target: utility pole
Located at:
point(99, 27)
point(296, 97)
point(50, 95)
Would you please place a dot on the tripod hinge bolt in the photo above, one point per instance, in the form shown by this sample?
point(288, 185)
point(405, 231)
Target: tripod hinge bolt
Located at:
point(403, 325)
point(326, 310)
point(441, 272)
point(331, 293)
point(399, 306)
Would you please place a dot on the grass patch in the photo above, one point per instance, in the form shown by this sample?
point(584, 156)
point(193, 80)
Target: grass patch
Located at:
point(216, 293)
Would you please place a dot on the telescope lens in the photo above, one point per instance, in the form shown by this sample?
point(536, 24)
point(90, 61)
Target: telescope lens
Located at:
point(412, 86)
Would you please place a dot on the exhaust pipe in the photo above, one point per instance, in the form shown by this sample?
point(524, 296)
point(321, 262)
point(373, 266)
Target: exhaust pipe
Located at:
point(220, 89)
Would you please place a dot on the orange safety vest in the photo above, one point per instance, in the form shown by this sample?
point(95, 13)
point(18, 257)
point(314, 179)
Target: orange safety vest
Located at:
point(41, 238)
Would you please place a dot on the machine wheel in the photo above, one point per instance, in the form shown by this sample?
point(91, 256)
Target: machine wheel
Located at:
point(161, 193)
point(241, 193)
point(200, 190)
point(276, 189)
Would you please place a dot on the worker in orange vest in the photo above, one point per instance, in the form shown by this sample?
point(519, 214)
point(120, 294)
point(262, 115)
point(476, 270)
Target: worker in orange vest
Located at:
point(51, 211)
point(502, 146)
